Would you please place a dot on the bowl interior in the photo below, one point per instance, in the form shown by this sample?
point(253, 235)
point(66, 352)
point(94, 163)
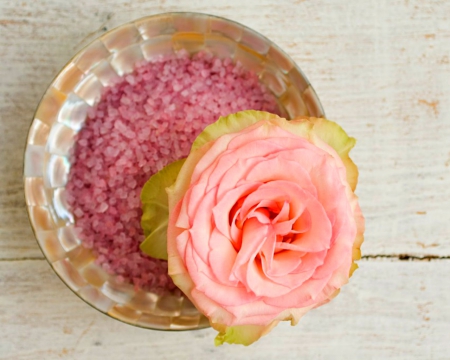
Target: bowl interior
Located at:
point(62, 113)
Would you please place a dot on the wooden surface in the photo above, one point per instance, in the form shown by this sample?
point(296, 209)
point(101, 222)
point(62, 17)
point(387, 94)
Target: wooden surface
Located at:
point(380, 68)
point(397, 310)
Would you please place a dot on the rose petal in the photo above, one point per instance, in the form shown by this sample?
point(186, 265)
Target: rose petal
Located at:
point(281, 268)
point(302, 296)
point(281, 169)
point(252, 311)
point(182, 241)
point(260, 284)
point(254, 235)
point(293, 315)
point(261, 131)
point(283, 215)
point(239, 122)
point(202, 226)
point(233, 166)
point(303, 223)
point(243, 334)
point(331, 190)
point(176, 265)
point(318, 236)
point(234, 174)
point(279, 246)
point(177, 191)
point(311, 157)
point(216, 149)
point(335, 257)
point(281, 264)
point(210, 308)
point(237, 163)
point(221, 210)
point(205, 282)
point(268, 192)
point(311, 261)
point(222, 257)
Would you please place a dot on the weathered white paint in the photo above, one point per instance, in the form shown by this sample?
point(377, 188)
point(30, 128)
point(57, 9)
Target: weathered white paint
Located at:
point(381, 69)
point(390, 310)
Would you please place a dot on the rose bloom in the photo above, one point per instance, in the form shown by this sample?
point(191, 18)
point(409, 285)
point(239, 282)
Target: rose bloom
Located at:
point(263, 221)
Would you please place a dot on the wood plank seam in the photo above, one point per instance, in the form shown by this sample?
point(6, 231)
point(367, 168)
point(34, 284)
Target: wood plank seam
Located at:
point(406, 257)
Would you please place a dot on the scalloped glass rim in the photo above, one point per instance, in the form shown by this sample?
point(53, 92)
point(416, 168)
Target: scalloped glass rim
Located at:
point(61, 114)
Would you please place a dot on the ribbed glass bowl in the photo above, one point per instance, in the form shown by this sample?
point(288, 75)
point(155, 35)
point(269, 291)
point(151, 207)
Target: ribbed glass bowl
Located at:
point(62, 112)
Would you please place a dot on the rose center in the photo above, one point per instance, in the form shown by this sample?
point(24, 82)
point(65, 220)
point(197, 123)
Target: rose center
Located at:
point(287, 224)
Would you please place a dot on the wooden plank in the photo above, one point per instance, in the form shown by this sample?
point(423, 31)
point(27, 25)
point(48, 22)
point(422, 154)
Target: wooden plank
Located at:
point(381, 70)
point(389, 310)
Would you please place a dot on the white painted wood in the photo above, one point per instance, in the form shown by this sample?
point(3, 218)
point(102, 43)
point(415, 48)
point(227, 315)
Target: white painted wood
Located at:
point(389, 310)
point(381, 69)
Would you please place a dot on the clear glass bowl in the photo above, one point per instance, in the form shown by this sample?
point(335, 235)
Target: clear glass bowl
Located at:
point(62, 113)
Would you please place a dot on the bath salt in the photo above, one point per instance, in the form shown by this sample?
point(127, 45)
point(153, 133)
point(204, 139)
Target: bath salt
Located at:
point(147, 120)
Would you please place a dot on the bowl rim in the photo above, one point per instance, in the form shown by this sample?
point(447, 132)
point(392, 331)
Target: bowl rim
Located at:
point(67, 64)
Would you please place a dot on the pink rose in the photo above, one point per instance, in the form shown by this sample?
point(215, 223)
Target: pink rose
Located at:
point(263, 221)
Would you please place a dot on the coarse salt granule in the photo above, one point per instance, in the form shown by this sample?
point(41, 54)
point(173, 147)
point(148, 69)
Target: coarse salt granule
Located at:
point(147, 120)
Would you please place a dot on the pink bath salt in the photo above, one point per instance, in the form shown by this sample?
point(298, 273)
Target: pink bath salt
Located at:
point(141, 124)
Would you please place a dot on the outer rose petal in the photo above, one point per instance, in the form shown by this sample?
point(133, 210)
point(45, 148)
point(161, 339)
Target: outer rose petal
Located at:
point(224, 158)
point(333, 135)
point(183, 280)
point(242, 334)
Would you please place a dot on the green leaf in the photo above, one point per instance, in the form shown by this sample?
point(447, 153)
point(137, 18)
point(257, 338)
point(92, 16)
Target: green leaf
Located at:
point(155, 244)
point(155, 210)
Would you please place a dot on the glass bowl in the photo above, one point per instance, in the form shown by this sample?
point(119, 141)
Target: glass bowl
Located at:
point(62, 112)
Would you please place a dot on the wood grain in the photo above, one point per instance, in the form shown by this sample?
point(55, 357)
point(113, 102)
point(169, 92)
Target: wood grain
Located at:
point(381, 69)
point(390, 310)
